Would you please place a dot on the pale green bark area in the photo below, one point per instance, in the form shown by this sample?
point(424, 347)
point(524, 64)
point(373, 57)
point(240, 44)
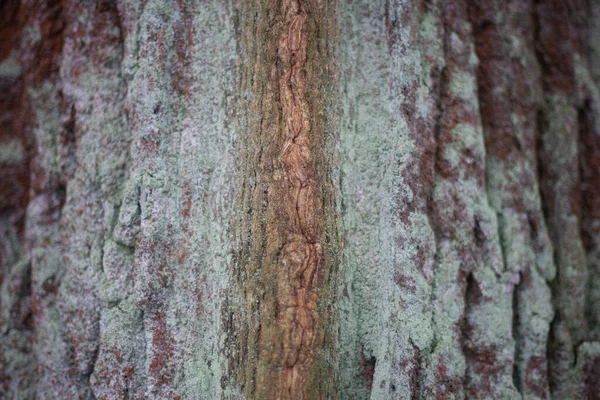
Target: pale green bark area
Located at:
point(184, 278)
point(47, 263)
point(377, 319)
point(383, 322)
point(526, 249)
point(122, 199)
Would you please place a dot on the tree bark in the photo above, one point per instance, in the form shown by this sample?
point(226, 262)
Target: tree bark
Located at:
point(299, 199)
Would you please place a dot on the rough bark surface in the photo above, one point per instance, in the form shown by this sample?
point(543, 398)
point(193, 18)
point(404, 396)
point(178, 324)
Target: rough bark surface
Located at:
point(299, 199)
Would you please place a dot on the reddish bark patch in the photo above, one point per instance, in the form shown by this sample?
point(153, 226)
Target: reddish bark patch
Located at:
point(112, 384)
point(494, 72)
point(199, 291)
point(16, 120)
point(405, 282)
point(163, 348)
point(484, 361)
point(589, 147)
point(368, 369)
point(34, 62)
point(448, 384)
point(535, 381)
point(591, 379)
point(415, 373)
point(184, 36)
point(186, 200)
point(556, 39)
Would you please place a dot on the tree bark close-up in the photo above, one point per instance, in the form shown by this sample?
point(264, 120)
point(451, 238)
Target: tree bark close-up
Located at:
point(300, 199)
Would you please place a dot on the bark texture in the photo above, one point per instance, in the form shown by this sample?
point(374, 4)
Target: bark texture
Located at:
point(299, 199)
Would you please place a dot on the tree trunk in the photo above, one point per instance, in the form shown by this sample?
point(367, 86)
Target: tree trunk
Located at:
point(299, 199)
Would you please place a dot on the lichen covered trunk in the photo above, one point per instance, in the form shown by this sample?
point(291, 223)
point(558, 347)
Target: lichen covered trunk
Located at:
point(287, 262)
point(299, 199)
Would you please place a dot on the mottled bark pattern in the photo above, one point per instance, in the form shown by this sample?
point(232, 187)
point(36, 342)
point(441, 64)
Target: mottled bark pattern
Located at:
point(300, 199)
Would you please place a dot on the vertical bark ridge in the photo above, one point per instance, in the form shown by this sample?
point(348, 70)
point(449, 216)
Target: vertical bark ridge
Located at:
point(288, 266)
point(589, 149)
point(470, 261)
point(509, 93)
point(16, 153)
point(94, 181)
point(108, 272)
point(50, 136)
point(178, 204)
point(589, 141)
point(568, 86)
point(386, 174)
